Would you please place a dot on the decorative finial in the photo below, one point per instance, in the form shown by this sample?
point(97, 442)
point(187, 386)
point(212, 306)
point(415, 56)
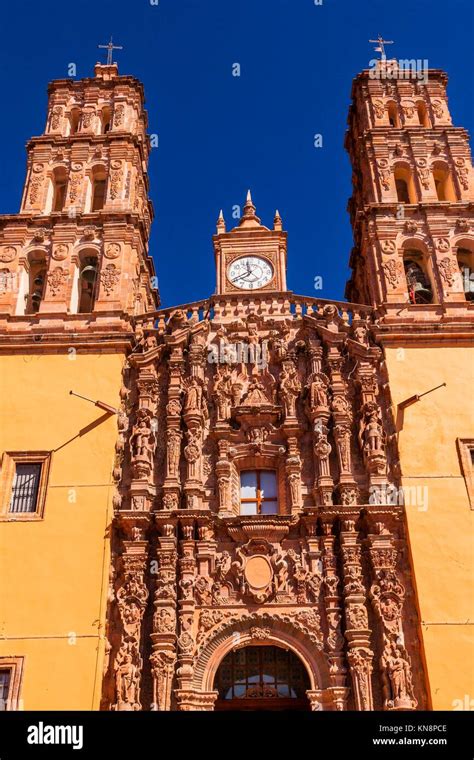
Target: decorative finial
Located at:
point(381, 46)
point(277, 221)
point(249, 217)
point(110, 47)
point(220, 223)
point(249, 208)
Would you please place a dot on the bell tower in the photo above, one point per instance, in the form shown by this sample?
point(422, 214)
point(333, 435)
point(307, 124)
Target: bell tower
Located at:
point(78, 249)
point(411, 208)
point(411, 213)
point(250, 257)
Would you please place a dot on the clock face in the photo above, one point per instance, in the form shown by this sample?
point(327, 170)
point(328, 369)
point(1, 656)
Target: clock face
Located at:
point(250, 272)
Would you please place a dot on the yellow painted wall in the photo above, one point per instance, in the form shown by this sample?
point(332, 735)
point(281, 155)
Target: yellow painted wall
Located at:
point(54, 572)
point(441, 537)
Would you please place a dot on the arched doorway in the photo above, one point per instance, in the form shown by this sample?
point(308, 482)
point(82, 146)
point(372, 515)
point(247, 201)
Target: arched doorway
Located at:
point(261, 678)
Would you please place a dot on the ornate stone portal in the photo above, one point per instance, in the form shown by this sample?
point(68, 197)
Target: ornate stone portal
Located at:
point(326, 575)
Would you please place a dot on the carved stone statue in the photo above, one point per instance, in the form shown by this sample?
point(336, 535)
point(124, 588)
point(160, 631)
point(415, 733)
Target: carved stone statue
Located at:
point(193, 397)
point(371, 429)
point(290, 388)
point(398, 686)
point(223, 393)
point(126, 681)
point(318, 393)
point(142, 439)
point(174, 446)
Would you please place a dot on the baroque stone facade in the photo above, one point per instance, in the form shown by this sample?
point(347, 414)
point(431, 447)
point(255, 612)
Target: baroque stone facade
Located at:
point(269, 382)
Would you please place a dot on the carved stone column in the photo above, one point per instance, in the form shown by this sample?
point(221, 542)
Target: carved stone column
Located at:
point(223, 473)
point(332, 603)
point(163, 656)
point(357, 632)
point(195, 413)
point(293, 474)
point(172, 483)
point(186, 605)
point(372, 438)
point(132, 597)
point(342, 418)
point(387, 595)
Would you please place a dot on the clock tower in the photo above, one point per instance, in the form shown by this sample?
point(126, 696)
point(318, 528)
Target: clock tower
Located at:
point(250, 257)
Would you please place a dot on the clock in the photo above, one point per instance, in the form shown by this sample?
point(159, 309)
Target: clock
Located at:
point(250, 272)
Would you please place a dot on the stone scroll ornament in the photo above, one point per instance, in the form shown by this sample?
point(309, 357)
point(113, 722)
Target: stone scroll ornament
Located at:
point(387, 595)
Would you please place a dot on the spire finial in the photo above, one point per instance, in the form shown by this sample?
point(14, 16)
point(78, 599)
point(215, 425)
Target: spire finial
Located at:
point(249, 208)
point(277, 221)
point(220, 223)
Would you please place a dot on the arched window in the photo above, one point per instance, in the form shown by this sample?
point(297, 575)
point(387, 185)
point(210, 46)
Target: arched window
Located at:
point(36, 286)
point(106, 118)
point(74, 121)
point(393, 119)
point(98, 189)
point(465, 259)
point(262, 678)
point(404, 185)
point(87, 283)
point(444, 184)
point(258, 492)
point(422, 114)
point(59, 189)
point(418, 283)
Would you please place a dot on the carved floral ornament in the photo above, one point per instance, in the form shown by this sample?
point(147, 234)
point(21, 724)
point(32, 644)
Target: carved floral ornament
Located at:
point(60, 252)
point(448, 270)
point(57, 279)
point(388, 246)
point(392, 271)
point(36, 182)
point(384, 173)
point(112, 250)
point(462, 171)
point(109, 278)
point(7, 253)
point(408, 107)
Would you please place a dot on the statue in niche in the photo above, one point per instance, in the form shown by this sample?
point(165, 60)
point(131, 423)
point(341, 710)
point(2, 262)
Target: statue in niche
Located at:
point(294, 481)
point(223, 392)
point(290, 388)
point(398, 686)
point(361, 335)
point(126, 679)
point(174, 446)
point(318, 393)
point(371, 434)
point(193, 396)
point(142, 439)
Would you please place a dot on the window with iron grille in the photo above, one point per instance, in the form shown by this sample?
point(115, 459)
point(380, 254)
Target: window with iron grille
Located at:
point(5, 677)
point(25, 487)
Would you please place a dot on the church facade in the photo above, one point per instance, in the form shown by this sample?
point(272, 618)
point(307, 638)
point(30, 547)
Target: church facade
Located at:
point(273, 507)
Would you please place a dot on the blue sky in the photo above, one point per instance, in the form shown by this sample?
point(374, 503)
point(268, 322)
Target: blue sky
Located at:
point(220, 134)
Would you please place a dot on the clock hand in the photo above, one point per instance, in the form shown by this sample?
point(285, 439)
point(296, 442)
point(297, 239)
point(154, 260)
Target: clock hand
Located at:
point(241, 277)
